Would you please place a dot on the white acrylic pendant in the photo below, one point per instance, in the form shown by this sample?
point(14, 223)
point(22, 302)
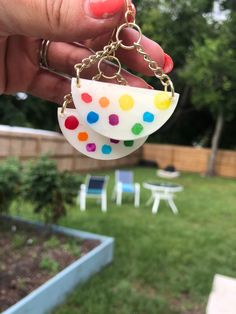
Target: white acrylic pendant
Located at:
point(90, 143)
point(127, 113)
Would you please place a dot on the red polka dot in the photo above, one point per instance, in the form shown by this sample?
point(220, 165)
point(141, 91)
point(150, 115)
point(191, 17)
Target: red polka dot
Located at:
point(86, 98)
point(71, 123)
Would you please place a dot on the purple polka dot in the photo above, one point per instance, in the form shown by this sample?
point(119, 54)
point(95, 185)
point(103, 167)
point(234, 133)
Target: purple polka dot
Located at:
point(114, 141)
point(114, 119)
point(91, 147)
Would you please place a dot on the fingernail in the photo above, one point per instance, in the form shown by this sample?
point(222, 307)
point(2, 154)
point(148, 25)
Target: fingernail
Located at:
point(102, 9)
point(150, 87)
point(168, 63)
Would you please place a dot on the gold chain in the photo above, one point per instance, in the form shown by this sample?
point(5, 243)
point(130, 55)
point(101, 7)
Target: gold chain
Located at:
point(110, 51)
point(67, 100)
point(87, 62)
point(156, 69)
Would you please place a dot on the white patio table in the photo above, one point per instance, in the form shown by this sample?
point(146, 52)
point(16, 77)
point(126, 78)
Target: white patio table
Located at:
point(162, 191)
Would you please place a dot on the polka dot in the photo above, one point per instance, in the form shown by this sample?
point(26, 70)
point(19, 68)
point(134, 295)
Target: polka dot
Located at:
point(114, 119)
point(86, 98)
point(126, 102)
point(162, 101)
point(148, 117)
point(83, 136)
point(104, 102)
point(71, 123)
point(106, 149)
point(114, 141)
point(137, 129)
point(129, 143)
point(91, 147)
point(92, 117)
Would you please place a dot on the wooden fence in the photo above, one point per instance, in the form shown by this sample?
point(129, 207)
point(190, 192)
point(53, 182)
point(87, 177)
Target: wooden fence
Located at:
point(27, 144)
point(190, 159)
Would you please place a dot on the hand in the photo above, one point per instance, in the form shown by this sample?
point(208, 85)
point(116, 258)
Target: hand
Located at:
point(24, 23)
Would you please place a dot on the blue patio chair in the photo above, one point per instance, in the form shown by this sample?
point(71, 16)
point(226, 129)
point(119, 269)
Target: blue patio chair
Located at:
point(124, 183)
point(94, 187)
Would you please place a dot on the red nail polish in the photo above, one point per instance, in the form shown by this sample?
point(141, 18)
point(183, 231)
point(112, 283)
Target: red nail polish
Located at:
point(105, 8)
point(168, 63)
point(131, 17)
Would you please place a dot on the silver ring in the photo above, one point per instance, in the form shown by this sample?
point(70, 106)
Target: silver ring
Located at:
point(43, 59)
point(43, 54)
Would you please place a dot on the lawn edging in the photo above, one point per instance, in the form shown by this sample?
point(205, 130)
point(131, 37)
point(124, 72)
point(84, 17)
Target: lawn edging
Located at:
point(55, 290)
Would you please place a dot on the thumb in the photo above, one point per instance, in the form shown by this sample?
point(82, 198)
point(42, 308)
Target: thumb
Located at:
point(60, 20)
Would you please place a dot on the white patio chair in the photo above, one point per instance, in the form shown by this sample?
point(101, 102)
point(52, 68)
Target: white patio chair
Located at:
point(124, 184)
point(94, 187)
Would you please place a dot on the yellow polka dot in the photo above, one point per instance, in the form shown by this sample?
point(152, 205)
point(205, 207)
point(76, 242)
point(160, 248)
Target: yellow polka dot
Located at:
point(126, 102)
point(162, 101)
point(104, 102)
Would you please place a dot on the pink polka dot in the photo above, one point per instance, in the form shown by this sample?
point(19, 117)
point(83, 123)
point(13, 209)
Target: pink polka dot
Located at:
point(71, 123)
point(86, 98)
point(114, 119)
point(91, 147)
point(114, 141)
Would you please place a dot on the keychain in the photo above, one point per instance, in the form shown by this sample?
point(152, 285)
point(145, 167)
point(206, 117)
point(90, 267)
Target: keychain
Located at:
point(111, 120)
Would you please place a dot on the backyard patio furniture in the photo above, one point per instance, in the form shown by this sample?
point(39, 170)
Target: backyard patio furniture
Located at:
point(169, 172)
point(94, 187)
point(162, 191)
point(124, 183)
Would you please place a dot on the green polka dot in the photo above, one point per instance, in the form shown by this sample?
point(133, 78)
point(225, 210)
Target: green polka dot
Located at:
point(137, 129)
point(128, 143)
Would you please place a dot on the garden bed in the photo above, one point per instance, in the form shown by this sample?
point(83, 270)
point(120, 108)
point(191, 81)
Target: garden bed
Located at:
point(31, 254)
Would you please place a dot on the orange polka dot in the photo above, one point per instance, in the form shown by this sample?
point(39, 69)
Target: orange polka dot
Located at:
point(104, 102)
point(83, 136)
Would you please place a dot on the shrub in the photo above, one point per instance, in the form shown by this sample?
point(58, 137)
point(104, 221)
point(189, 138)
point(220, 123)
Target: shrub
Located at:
point(49, 190)
point(10, 182)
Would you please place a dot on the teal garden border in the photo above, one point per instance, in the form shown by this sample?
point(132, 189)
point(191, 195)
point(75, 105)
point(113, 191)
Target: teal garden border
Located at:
point(55, 290)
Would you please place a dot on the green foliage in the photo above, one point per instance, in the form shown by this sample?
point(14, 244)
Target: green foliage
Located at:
point(213, 80)
point(73, 246)
point(48, 189)
point(52, 242)
point(10, 180)
point(32, 112)
point(18, 240)
point(175, 25)
point(49, 264)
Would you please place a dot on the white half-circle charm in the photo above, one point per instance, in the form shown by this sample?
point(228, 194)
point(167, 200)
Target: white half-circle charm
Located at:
point(90, 143)
point(128, 113)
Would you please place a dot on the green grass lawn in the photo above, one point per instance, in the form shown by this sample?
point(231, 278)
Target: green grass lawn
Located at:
point(163, 264)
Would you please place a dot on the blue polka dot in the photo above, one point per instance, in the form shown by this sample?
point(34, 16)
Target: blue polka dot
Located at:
point(106, 149)
point(148, 117)
point(92, 117)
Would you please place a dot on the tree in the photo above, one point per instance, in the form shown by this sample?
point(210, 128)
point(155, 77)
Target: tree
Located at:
point(31, 112)
point(175, 25)
point(10, 183)
point(210, 71)
point(49, 190)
